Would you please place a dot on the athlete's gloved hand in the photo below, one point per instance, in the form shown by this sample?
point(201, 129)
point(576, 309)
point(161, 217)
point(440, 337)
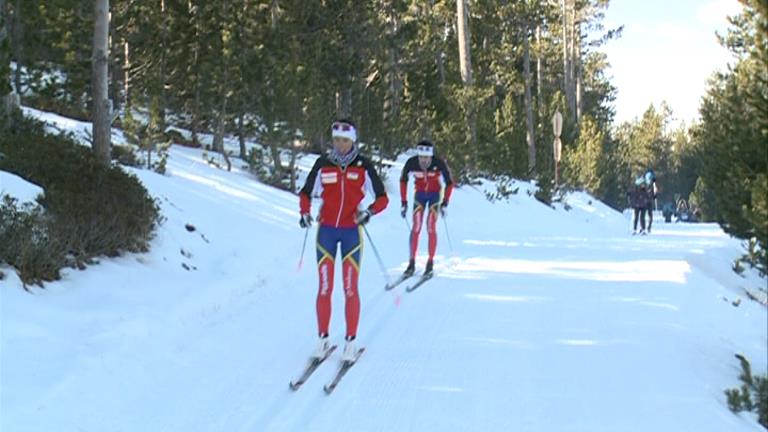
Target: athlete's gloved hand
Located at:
point(443, 208)
point(403, 208)
point(363, 216)
point(306, 220)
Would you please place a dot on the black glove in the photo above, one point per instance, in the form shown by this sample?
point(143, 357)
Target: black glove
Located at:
point(363, 216)
point(403, 208)
point(443, 208)
point(305, 221)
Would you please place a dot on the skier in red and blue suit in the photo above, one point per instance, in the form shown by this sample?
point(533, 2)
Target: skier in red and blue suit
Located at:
point(341, 178)
point(431, 174)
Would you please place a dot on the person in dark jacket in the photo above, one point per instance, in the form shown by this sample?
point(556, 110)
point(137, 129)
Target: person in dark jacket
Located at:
point(639, 199)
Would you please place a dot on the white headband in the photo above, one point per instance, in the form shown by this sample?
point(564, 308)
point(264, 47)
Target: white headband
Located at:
point(337, 130)
point(423, 150)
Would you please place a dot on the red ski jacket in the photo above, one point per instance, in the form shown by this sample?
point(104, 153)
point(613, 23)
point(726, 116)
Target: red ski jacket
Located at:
point(342, 190)
point(428, 180)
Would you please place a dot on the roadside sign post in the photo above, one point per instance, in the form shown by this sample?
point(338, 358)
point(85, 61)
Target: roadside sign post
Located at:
point(557, 146)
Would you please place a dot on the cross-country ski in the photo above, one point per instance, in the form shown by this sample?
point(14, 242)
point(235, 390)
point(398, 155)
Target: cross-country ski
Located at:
point(420, 281)
point(312, 366)
point(346, 365)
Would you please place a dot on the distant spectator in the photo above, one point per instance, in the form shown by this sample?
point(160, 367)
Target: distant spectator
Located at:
point(695, 214)
point(682, 211)
point(668, 210)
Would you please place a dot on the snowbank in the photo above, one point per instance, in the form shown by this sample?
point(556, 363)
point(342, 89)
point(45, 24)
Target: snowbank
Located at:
point(17, 187)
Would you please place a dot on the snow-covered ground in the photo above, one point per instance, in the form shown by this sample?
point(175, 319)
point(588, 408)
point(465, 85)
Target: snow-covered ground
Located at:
point(539, 319)
point(18, 188)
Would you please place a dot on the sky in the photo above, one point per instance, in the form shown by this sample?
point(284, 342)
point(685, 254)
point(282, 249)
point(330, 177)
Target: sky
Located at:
point(667, 52)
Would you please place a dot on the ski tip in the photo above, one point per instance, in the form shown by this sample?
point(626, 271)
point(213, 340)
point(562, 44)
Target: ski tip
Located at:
point(420, 282)
point(327, 389)
point(359, 353)
point(391, 286)
point(293, 386)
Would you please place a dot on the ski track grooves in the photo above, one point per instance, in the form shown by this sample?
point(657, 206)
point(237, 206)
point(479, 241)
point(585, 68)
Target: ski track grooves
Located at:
point(289, 410)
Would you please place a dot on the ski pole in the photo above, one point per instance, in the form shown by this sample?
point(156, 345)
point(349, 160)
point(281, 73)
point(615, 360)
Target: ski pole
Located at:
point(410, 237)
point(304, 246)
point(378, 257)
point(447, 234)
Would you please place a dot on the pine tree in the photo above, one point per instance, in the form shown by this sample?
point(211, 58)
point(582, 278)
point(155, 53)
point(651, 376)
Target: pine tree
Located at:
point(585, 163)
point(733, 131)
point(282, 70)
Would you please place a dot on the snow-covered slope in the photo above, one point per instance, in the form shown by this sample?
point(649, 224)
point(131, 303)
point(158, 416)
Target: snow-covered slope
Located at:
point(18, 188)
point(539, 319)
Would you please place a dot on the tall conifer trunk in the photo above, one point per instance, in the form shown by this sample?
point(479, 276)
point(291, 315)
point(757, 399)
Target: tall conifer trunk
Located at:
point(530, 134)
point(101, 106)
point(465, 64)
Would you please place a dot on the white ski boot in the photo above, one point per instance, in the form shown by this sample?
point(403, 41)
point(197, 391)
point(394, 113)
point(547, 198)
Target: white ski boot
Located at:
point(350, 351)
point(322, 347)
